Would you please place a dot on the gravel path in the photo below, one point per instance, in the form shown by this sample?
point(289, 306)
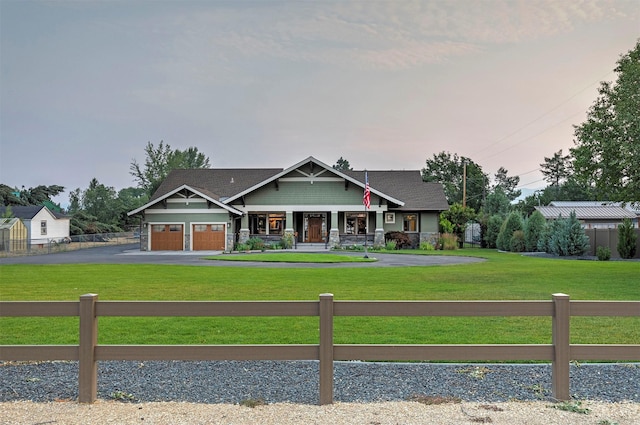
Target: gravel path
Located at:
point(297, 381)
point(180, 392)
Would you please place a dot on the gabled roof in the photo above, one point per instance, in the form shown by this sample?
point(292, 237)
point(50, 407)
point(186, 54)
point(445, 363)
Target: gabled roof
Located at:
point(602, 212)
point(404, 190)
point(324, 166)
point(204, 193)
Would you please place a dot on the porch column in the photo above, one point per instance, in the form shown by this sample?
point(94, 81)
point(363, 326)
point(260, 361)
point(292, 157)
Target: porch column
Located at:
point(244, 234)
point(378, 238)
point(334, 232)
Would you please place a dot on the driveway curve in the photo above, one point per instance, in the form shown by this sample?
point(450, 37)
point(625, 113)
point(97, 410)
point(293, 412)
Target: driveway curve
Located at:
point(130, 254)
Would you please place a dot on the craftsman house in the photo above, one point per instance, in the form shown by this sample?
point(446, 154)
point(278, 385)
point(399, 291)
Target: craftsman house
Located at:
point(213, 209)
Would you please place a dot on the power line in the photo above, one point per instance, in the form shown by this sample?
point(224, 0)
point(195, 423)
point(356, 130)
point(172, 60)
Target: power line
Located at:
point(539, 118)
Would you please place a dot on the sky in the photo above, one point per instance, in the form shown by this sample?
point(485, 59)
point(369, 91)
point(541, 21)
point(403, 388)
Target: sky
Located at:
point(85, 85)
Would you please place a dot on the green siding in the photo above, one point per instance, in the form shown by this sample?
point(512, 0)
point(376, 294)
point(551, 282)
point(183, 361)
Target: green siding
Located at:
point(304, 193)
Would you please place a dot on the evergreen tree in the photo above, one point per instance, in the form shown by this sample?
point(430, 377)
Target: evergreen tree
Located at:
point(512, 223)
point(627, 239)
point(534, 230)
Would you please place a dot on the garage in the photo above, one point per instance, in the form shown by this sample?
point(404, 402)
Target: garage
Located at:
point(209, 237)
point(167, 237)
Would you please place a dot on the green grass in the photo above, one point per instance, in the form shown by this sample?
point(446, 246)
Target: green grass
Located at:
point(293, 257)
point(502, 277)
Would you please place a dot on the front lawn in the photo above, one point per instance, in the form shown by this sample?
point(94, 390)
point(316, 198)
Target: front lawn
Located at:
point(502, 277)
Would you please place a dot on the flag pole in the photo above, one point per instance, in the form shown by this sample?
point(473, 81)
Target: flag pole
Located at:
point(366, 200)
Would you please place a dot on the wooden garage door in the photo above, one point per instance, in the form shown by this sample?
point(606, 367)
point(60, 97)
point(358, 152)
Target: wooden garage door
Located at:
point(209, 237)
point(166, 237)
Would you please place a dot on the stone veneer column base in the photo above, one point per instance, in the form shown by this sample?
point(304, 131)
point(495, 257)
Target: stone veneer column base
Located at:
point(378, 238)
point(334, 238)
point(244, 236)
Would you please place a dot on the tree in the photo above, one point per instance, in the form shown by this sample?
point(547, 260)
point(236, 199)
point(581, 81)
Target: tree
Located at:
point(459, 217)
point(10, 196)
point(160, 161)
point(99, 201)
point(496, 203)
point(448, 170)
point(507, 184)
point(342, 165)
point(534, 230)
point(556, 169)
point(627, 239)
point(494, 224)
point(607, 145)
point(512, 224)
point(565, 237)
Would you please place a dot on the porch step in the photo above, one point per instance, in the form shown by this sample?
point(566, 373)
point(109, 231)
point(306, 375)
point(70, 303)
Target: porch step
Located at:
point(311, 247)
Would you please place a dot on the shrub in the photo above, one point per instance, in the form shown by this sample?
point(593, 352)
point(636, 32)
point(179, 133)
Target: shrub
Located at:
point(287, 241)
point(534, 230)
point(493, 230)
point(449, 241)
point(390, 245)
point(401, 239)
point(517, 241)
point(511, 224)
point(627, 239)
point(242, 247)
point(255, 244)
point(603, 253)
point(426, 246)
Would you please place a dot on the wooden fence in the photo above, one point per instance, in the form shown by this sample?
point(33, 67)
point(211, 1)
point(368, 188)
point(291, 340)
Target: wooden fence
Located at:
point(560, 352)
point(608, 238)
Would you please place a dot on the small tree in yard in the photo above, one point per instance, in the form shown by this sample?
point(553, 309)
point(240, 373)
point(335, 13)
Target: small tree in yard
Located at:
point(534, 230)
point(458, 216)
point(511, 224)
point(627, 239)
point(566, 237)
point(493, 230)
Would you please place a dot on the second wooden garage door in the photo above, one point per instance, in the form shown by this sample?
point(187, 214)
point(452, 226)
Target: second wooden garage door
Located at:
point(209, 237)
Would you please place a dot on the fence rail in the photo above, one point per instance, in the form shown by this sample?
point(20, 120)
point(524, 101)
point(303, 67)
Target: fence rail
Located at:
point(560, 352)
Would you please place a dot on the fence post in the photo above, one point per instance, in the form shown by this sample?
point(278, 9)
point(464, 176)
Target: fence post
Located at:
point(88, 367)
point(561, 347)
point(326, 349)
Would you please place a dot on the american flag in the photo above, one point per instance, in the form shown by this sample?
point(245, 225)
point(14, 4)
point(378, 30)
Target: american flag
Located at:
point(366, 199)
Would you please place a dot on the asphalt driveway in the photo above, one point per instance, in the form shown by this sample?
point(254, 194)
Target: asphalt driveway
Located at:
point(130, 254)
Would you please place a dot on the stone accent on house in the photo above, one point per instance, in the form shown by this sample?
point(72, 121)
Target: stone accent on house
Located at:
point(230, 241)
point(187, 242)
point(431, 237)
point(144, 240)
point(244, 236)
point(334, 238)
point(378, 238)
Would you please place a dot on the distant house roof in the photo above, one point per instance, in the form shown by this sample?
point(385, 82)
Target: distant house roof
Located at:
point(405, 188)
point(634, 207)
point(28, 212)
point(602, 212)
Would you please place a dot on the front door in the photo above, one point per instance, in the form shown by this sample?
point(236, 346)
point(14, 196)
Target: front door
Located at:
point(314, 231)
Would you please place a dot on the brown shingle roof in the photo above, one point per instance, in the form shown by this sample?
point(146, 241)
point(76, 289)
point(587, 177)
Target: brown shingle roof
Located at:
point(405, 186)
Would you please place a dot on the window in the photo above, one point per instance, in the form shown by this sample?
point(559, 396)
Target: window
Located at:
point(355, 223)
point(410, 223)
point(276, 224)
point(266, 224)
point(199, 227)
point(43, 227)
point(258, 224)
point(157, 228)
point(175, 228)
